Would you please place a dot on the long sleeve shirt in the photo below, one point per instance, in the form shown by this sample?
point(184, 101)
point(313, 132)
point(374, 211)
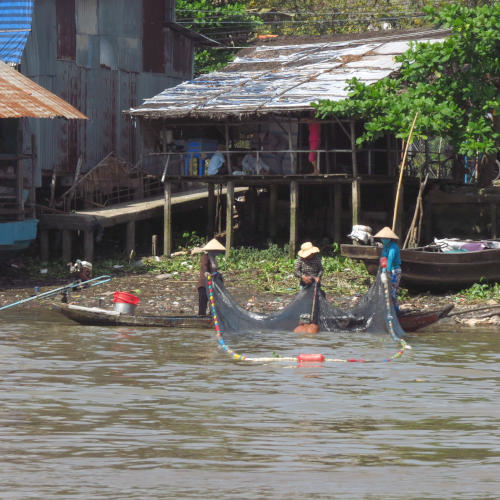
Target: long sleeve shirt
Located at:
point(311, 266)
point(391, 251)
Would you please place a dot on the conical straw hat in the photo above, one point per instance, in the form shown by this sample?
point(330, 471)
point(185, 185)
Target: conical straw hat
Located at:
point(214, 246)
point(387, 232)
point(307, 249)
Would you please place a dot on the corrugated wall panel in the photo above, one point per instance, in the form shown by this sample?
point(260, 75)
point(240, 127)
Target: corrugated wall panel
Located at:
point(130, 54)
point(120, 17)
point(86, 17)
point(39, 56)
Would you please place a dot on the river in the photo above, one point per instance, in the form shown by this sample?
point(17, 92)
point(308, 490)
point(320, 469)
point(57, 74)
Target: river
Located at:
point(139, 413)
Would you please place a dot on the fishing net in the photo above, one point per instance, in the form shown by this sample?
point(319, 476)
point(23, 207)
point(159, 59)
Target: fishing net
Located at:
point(374, 313)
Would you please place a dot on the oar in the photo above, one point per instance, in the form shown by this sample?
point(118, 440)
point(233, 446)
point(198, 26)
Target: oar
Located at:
point(93, 282)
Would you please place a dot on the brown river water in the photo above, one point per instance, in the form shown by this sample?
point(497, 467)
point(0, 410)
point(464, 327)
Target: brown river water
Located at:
point(141, 413)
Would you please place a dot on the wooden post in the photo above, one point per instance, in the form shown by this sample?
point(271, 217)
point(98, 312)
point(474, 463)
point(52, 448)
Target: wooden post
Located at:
point(337, 213)
point(228, 145)
point(44, 245)
point(356, 188)
point(252, 204)
point(88, 245)
point(66, 245)
point(294, 203)
point(154, 245)
point(293, 163)
point(210, 210)
point(130, 236)
point(167, 218)
point(273, 198)
point(33, 176)
point(229, 216)
point(493, 212)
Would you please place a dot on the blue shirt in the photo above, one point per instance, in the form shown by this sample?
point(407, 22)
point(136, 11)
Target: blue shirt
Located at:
point(391, 251)
point(215, 163)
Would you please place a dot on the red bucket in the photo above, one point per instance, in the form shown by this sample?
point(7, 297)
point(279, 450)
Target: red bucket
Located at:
point(125, 302)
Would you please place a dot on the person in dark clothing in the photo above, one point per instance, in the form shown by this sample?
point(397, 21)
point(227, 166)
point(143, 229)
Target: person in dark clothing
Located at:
point(208, 265)
point(308, 266)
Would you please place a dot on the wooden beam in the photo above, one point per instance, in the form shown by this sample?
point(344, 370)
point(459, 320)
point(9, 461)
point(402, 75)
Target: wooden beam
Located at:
point(167, 218)
point(294, 203)
point(229, 216)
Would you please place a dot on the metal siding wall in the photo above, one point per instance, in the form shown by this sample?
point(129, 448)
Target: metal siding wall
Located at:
point(98, 92)
point(120, 18)
point(86, 17)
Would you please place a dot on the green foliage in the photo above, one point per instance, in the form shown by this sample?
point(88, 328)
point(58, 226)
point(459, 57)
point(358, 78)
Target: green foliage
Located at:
point(228, 23)
point(482, 291)
point(453, 85)
point(191, 239)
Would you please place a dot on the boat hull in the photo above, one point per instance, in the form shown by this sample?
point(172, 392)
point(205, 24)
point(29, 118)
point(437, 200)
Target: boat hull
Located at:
point(95, 316)
point(98, 316)
point(435, 270)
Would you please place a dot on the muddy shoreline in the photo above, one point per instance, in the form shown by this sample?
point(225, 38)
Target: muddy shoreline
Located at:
point(162, 294)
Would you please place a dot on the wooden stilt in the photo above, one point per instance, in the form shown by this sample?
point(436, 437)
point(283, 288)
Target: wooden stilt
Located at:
point(229, 216)
point(273, 198)
point(88, 245)
point(337, 213)
point(211, 211)
point(44, 245)
point(66, 245)
point(493, 213)
point(356, 189)
point(294, 203)
point(154, 245)
point(167, 219)
point(130, 237)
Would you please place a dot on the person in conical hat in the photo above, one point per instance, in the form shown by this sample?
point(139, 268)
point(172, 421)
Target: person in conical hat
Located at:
point(390, 261)
point(208, 265)
point(308, 267)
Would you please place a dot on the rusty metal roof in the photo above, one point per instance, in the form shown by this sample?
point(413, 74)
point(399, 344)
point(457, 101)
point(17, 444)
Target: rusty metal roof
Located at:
point(284, 78)
point(21, 97)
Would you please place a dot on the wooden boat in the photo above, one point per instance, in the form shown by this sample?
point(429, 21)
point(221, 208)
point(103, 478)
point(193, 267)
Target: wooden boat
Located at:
point(98, 316)
point(413, 321)
point(427, 268)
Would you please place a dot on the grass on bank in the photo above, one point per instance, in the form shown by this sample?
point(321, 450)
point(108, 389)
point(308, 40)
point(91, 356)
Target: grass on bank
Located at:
point(267, 270)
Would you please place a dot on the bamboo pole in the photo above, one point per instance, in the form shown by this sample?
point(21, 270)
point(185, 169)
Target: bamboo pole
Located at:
point(401, 171)
point(418, 209)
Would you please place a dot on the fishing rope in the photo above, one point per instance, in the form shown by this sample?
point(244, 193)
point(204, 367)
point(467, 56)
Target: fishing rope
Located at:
point(300, 358)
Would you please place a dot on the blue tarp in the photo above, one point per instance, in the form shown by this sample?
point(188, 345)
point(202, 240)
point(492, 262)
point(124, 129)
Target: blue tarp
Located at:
point(15, 26)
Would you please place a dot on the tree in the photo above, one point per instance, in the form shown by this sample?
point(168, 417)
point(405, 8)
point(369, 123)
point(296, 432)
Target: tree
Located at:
point(453, 85)
point(226, 22)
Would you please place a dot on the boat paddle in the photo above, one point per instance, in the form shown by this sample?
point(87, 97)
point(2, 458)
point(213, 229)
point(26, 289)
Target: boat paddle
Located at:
point(306, 324)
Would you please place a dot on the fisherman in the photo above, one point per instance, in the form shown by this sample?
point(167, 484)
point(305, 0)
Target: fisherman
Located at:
point(308, 266)
point(390, 251)
point(208, 265)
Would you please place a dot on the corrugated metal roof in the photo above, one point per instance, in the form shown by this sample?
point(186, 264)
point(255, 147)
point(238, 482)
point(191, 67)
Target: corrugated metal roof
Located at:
point(283, 78)
point(15, 26)
point(21, 97)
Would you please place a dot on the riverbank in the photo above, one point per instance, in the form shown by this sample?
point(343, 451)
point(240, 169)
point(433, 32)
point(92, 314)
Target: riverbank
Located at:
point(259, 281)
